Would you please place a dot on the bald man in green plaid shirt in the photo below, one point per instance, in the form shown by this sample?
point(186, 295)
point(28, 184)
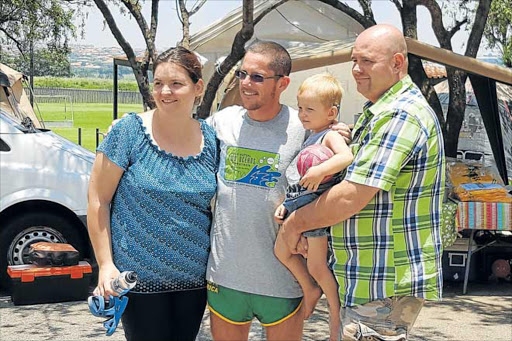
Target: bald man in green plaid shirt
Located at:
point(386, 212)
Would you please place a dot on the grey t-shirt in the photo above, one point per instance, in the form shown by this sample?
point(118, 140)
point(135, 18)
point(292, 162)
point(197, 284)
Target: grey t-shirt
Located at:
point(251, 184)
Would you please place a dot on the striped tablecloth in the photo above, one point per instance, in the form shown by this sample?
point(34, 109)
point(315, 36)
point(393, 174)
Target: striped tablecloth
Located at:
point(484, 216)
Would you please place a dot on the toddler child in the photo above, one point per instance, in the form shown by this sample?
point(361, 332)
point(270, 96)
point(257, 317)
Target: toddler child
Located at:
point(318, 99)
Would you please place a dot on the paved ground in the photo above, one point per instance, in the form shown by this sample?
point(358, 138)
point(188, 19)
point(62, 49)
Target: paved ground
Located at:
point(484, 314)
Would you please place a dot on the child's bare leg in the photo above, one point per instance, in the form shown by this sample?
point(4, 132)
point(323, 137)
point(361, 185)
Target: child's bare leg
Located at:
point(317, 266)
point(296, 265)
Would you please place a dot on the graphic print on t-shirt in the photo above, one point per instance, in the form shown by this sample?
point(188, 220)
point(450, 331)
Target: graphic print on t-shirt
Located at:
point(251, 166)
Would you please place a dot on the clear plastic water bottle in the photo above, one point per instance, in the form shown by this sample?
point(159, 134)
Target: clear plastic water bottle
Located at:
point(124, 282)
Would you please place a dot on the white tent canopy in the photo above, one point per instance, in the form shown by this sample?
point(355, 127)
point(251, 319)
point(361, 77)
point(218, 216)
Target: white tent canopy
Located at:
point(302, 26)
point(295, 23)
point(305, 28)
point(13, 98)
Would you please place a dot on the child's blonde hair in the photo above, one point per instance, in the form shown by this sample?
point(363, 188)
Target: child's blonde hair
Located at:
point(325, 86)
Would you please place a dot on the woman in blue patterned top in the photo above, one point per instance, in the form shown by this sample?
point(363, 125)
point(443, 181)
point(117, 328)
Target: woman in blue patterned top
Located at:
point(150, 205)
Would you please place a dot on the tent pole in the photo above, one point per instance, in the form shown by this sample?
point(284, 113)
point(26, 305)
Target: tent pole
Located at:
point(485, 93)
point(115, 89)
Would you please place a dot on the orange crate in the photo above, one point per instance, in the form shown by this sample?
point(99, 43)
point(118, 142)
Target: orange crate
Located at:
point(32, 284)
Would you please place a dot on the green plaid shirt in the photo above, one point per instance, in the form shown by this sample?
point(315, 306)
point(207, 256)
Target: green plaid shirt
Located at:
point(393, 246)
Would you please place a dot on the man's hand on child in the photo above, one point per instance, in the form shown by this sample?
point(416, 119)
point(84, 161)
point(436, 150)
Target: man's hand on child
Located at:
point(312, 179)
point(279, 214)
point(293, 240)
point(302, 246)
point(344, 130)
point(114, 122)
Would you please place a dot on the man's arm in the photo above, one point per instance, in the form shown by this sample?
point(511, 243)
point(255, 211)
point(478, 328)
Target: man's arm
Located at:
point(335, 205)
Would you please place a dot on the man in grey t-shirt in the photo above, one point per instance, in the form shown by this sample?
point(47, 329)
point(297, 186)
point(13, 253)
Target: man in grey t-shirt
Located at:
point(258, 142)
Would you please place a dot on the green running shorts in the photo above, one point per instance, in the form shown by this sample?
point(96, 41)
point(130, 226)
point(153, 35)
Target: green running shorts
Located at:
point(238, 307)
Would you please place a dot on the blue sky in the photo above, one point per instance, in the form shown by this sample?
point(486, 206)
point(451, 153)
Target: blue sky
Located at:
point(169, 30)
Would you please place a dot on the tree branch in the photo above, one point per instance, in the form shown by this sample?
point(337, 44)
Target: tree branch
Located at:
point(236, 53)
point(408, 12)
point(140, 76)
point(398, 5)
point(247, 19)
point(457, 27)
point(105, 11)
point(185, 24)
point(18, 44)
point(152, 30)
point(196, 7)
point(475, 37)
point(178, 11)
point(366, 5)
point(363, 20)
point(135, 10)
point(440, 31)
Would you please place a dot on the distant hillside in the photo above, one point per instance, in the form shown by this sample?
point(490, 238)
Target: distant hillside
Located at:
point(96, 62)
point(83, 83)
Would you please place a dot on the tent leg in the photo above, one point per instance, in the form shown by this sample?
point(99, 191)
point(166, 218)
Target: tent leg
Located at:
point(468, 262)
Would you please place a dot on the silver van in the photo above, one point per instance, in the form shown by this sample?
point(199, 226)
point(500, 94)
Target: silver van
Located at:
point(43, 180)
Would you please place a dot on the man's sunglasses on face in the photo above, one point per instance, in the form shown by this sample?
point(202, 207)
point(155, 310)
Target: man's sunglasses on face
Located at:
point(255, 77)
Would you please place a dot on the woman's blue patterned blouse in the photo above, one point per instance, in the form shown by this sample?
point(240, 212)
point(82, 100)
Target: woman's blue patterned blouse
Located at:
point(160, 213)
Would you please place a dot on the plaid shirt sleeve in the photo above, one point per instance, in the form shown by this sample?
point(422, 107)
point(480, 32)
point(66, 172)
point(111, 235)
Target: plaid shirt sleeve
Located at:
point(393, 139)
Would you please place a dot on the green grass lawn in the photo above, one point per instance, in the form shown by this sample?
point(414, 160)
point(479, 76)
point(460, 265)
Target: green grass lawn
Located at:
point(87, 116)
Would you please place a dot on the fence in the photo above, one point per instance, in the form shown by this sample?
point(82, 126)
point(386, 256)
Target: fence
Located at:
point(89, 138)
point(97, 133)
point(86, 96)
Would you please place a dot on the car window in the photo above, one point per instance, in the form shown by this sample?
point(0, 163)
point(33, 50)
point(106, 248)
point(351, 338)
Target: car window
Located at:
point(13, 121)
point(4, 147)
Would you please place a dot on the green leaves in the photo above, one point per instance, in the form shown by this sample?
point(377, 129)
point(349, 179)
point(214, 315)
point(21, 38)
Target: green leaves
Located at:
point(37, 21)
point(498, 30)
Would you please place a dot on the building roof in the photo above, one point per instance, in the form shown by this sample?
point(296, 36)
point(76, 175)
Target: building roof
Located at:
point(435, 71)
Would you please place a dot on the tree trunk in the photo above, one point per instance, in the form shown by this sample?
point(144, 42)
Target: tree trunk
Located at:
point(185, 22)
point(419, 77)
point(456, 109)
point(237, 52)
point(477, 31)
point(141, 75)
point(408, 13)
point(456, 78)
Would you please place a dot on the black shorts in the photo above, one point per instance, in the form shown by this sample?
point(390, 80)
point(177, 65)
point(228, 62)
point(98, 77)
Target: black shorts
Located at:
point(164, 316)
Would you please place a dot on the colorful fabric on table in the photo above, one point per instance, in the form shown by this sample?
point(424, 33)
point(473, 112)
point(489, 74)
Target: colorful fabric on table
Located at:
point(482, 192)
point(472, 181)
point(464, 172)
point(484, 216)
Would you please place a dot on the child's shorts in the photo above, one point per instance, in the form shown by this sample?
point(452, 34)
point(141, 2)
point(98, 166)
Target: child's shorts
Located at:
point(296, 203)
point(321, 232)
